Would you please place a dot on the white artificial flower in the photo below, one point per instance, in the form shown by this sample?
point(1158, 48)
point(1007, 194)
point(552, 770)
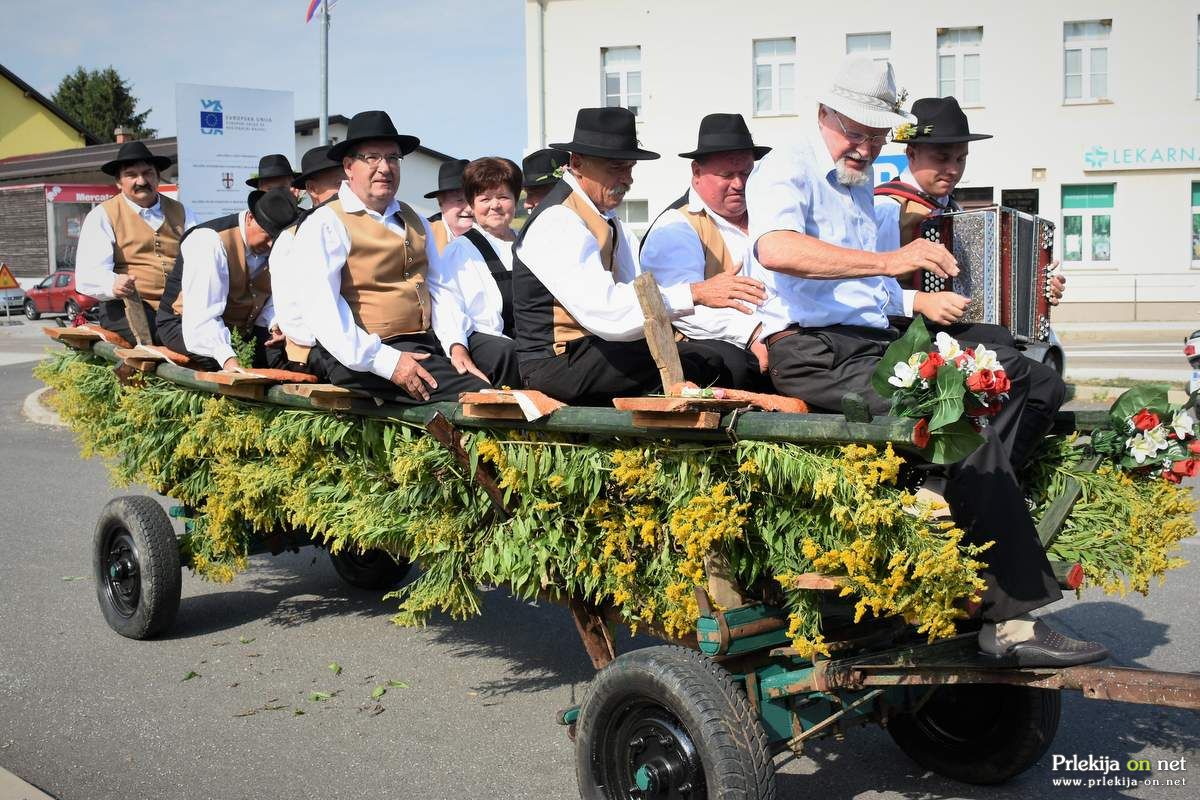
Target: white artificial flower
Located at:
point(1157, 436)
point(904, 377)
point(1140, 448)
point(916, 360)
point(1183, 424)
point(986, 359)
point(948, 346)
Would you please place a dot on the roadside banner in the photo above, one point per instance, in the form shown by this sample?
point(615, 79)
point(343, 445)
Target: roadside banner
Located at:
point(222, 132)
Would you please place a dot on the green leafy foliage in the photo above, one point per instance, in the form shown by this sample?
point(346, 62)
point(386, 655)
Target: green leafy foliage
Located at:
point(101, 100)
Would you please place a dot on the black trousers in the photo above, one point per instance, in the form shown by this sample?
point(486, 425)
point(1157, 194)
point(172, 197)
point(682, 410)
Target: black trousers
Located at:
point(496, 357)
point(170, 331)
point(449, 383)
point(739, 367)
point(111, 317)
point(593, 370)
point(986, 500)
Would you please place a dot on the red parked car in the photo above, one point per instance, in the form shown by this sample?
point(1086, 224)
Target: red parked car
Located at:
point(56, 294)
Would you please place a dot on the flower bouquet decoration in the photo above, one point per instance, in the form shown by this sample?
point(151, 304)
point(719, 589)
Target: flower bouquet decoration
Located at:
point(950, 390)
point(1149, 436)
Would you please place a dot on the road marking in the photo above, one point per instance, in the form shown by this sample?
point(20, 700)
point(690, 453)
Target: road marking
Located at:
point(8, 359)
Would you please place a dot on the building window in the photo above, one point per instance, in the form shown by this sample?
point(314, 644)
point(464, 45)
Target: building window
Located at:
point(622, 77)
point(875, 46)
point(1085, 60)
point(1198, 56)
point(1196, 221)
point(959, 61)
point(636, 215)
point(775, 76)
point(1087, 224)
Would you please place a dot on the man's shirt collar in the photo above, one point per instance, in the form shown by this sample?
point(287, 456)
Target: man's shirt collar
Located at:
point(353, 204)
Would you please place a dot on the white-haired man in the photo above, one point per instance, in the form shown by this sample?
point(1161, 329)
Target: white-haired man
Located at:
point(812, 225)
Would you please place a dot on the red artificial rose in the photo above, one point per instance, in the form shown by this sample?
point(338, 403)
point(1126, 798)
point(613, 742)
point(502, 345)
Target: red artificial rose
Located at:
point(970, 351)
point(1145, 420)
point(929, 368)
point(982, 380)
point(1194, 446)
point(1187, 467)
point(1003, 384)
point(1170, 476)
point(921, 434)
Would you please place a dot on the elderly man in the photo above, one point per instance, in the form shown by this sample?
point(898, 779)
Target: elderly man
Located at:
point(370, 280)
point(274, 172)
point(704, 236)
point(813, 227)
point(128, 243)
point(579, 325)
point(542, 169)
point(454, 216)
point(221, 284)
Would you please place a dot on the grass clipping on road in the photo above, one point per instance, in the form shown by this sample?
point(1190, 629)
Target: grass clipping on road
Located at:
point(623, 522)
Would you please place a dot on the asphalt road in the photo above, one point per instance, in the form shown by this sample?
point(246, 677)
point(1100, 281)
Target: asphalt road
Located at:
point(88, 715)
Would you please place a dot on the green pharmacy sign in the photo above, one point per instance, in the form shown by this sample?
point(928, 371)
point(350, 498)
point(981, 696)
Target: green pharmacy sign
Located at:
point(1180, 156)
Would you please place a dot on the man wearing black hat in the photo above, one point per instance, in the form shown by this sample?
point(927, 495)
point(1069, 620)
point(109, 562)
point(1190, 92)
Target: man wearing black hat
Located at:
point(370, 280)
point(579, 325)
point(221, 283)
point(454, 217)
point(274, 171)
point(320, 177)
point(702, 240)
point(128, 243)
point(542, 169)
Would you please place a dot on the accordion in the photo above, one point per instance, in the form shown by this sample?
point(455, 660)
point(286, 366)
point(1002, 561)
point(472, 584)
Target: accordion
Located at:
point(1004, 258)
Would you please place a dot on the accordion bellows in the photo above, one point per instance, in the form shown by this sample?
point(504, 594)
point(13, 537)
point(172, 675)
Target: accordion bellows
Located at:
point(1004, 259)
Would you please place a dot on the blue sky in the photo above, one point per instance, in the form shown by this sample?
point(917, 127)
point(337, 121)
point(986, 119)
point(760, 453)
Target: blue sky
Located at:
point(451, 73)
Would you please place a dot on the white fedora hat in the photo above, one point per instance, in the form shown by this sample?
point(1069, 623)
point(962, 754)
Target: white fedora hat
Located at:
point(865, 91)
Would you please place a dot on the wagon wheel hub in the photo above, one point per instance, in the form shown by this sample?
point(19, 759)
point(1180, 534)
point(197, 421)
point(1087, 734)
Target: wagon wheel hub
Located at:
point(123, 580)
point(658, 755)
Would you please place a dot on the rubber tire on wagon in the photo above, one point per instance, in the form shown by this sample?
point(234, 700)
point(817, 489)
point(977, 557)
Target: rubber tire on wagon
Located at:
point(135, 563)
point(669, 716)
point(979, 733)
point(369, 569)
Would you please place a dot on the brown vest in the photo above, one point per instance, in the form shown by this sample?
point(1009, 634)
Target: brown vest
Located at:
point(138, 251)
point(383, 280)
point(566, 327)
point(441, 234)
point(717, 258)
point(247, 295)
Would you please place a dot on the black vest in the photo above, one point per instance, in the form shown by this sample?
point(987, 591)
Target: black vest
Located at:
point(500, 274)
point(533, 305)
point(166, 310)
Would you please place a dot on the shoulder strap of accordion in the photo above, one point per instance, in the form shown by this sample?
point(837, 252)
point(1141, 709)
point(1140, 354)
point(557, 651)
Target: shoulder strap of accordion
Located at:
point(906, 191)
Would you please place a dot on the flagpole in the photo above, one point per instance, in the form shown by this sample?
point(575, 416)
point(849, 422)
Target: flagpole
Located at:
point(324, 132)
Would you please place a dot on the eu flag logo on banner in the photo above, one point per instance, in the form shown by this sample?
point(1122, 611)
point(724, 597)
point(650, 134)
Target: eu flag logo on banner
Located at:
point(212, 118)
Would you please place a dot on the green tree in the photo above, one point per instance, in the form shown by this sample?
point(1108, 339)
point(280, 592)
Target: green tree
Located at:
point(102, 100)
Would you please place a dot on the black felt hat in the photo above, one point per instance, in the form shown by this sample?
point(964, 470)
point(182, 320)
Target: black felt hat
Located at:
point(275, 165)
point(367, 125)
point(314, 161)
point(540, 165)
point(939, 121)
point(723, 133)
point(449, 177)
point(606, 133)
point(274, 211)
point(131, 152)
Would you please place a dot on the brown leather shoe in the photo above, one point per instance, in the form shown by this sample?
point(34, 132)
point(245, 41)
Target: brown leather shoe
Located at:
point(1049, 648)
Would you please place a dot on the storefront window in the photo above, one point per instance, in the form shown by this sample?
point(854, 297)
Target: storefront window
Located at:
point(1196, 221)
point(68, 218)
point(1087, 224)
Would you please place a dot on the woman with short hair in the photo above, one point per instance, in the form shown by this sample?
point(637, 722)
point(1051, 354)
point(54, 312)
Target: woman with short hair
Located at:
point(478, 267)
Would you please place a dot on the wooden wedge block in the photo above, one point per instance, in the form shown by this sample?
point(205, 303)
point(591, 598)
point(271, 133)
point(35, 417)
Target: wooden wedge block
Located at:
point(814, 580)
point(155, 353)
point(663, 405)
point(323, 395)
point(286, 376)
point(235, 378)
point(677, 419)
point(504, 405)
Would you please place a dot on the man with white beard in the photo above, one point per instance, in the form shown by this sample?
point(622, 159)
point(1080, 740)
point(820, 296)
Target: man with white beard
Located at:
point(813, 229)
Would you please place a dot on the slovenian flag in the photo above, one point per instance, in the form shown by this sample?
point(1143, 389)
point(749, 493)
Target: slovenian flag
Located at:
point(313, 5)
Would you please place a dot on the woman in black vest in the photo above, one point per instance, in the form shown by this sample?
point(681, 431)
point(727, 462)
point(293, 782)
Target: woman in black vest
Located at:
point(478, 263)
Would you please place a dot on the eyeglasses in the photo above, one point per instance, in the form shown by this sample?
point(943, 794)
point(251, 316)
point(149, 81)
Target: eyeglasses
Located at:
point(856, 138)
point(373, 159)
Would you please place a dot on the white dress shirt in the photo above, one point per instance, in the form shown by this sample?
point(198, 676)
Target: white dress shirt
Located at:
point(287, 292)
point(887, 219)
point(318, 255)
point(205, 290)
point(795, 188)
point(673, 253)
point(94, 257)
point(564, 255)
point(468, 276)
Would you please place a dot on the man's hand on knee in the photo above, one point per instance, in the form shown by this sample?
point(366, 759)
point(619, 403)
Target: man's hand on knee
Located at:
point(410, 376)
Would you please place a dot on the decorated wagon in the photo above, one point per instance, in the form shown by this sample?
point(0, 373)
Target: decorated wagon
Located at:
point(801, 585)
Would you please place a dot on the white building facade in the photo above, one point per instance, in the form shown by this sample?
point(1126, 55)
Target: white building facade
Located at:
point(1094, 104)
